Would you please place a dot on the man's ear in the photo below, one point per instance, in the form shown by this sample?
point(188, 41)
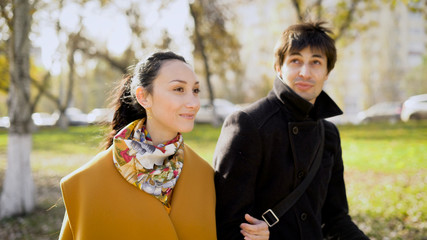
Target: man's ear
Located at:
point(278, 70)
point(143, 97)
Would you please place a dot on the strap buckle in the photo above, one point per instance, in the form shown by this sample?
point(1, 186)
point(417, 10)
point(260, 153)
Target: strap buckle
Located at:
point(268, 216)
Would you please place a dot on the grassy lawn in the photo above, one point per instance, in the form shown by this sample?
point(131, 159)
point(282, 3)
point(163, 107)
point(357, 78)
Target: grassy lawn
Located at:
point(386, 176)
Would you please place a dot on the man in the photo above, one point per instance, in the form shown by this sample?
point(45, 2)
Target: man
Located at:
point(266, 150)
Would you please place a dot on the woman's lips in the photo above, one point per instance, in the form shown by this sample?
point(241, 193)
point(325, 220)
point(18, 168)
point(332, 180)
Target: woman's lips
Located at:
point(187, 116)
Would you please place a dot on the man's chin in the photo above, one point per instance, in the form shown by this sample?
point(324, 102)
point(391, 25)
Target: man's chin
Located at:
point(308, 97)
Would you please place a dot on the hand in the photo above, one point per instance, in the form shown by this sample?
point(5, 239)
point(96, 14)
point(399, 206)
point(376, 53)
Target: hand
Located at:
point(255, 229)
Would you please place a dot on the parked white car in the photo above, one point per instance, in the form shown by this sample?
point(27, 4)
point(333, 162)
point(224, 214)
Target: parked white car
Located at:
point(415, 108)
point(43, 119)
point(223, 108)
point(4, 122)
point(384, 111)
point(76, 117)
point(100, 115)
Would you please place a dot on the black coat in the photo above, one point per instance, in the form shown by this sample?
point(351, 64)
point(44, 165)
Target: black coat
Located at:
point(264, 152)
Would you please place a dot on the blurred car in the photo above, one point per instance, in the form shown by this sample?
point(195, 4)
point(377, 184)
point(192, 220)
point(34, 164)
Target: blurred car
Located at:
point(4, 122)
point(76, 117)
point(385, 111)
point(43, 119)
point(343, 119)
point(100, 115)
point(415, 108)
point(223, 108)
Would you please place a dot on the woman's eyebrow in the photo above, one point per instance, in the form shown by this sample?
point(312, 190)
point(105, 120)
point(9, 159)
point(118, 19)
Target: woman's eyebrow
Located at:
point(181, 81)
point(178, 80)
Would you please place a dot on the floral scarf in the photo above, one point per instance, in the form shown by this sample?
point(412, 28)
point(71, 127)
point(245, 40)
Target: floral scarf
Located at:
point(154, 169)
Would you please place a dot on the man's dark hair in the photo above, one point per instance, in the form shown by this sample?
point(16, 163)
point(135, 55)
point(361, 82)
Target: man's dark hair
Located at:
point(302, 35)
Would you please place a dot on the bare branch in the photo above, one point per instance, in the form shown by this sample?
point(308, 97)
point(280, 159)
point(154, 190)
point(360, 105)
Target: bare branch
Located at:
point(319, 9)
point(347, 21)
point(4, 14)
point(106, 57)
point(41, 92)
point(297, 5)
point(86, 46)
point(48, 94)
point(317, 6)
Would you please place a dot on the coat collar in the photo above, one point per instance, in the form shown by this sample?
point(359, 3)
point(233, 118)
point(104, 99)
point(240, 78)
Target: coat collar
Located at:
point(300, 108)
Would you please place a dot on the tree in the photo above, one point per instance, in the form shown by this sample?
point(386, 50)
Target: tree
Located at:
point(216, 48)
point(343, 12)
point(201, 50)
point(18, 194)
point(343, 15)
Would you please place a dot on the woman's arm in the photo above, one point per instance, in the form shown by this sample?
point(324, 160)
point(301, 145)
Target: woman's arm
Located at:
point(66, 229)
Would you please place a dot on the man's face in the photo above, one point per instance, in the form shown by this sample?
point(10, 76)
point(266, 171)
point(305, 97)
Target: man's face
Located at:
point(305, 72)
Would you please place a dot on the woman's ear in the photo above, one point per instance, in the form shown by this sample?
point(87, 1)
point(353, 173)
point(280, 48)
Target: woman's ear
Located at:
point(143, 97)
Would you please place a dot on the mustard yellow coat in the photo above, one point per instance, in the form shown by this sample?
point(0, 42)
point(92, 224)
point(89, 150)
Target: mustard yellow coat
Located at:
point(101, 204)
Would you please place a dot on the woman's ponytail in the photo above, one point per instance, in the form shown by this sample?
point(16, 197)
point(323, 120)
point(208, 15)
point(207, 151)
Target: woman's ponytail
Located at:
point(126, 109)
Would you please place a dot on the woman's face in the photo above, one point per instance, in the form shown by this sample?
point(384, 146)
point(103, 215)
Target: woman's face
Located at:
point(174, 101)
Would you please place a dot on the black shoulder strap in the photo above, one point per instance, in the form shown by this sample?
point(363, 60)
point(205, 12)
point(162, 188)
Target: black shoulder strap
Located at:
point(272, 215)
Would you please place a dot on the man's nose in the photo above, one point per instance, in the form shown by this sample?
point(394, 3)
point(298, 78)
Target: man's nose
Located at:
point(304, 71)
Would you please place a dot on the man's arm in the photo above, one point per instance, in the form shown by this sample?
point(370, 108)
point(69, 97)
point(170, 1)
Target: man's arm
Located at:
point(338, 223)
point(236, 161)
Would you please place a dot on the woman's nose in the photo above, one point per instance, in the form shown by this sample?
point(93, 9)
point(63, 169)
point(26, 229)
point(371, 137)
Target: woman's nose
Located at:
point(193, 101)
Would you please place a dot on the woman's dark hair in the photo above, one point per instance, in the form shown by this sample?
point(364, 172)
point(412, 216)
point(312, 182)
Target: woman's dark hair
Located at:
point(126, 108)
point(302, 35)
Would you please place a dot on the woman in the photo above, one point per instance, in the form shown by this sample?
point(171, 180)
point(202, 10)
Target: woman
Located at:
point(147, 184)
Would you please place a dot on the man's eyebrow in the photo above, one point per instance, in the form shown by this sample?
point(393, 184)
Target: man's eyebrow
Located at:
point(318, 56)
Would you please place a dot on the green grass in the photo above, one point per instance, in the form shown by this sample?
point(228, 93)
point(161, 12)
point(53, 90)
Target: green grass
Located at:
point(384, 147)
point(203, 140)
point(386, 176)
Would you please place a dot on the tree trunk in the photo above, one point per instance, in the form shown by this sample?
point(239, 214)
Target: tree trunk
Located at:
point(18, 187)
point(18, 196)
point(199, 42)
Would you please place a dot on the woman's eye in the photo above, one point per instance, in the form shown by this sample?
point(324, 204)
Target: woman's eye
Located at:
point(179, 89)
point(196, 90)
